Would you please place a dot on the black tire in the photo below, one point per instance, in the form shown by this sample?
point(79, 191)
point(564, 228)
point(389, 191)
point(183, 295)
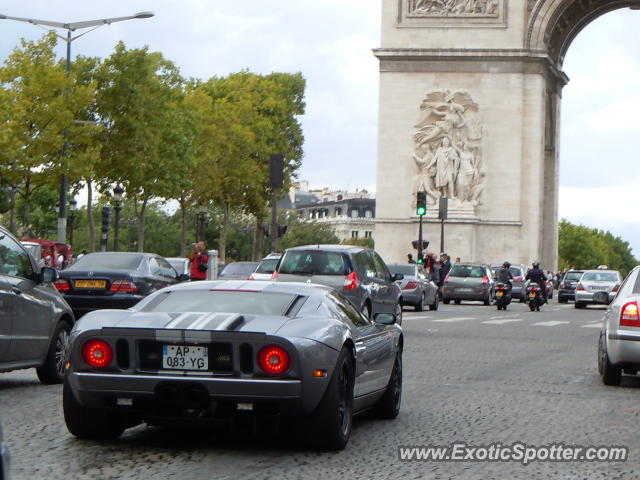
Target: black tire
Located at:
point(434, 306)
point(398, 312)
point(53, 368)
point(446, 301)
point(532, 306)
point(94, 423)
point(611, 374)
point(562, 300)
point(420, 305)
point(388, 406)
point(487, 301)
point(329, 426)
point(579, 305)
point(522, 300)
point(457, 302)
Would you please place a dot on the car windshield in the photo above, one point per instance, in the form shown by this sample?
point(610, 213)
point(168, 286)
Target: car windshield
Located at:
point(177, 264)
point(107, 261)
point(313, 262)
point(600, 277)
point(268, 265)
point(403, 269)
point(228, 301)
point(515, 271)
point(467, 271)
point(572, 276)
point(244, 269)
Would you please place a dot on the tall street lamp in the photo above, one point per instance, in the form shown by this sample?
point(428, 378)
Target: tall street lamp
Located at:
point(117, 201)
point(73, 207)
point(72, 27)
point(202, 215)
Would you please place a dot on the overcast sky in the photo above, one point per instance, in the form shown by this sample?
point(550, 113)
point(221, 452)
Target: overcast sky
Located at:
point(330, 42)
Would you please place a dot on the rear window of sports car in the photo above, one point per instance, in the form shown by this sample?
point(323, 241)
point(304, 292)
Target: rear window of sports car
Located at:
point(229, 301)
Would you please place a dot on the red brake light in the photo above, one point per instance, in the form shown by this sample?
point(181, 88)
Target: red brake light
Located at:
point(485, 280)
point(580, 287)
point(501, 287)
point(62, 285)
point(351, 281)
point(123, 286)
point(275, 275)
point(446, 279)
point(273, 360)
point(251, 277)
point(629, 316)
point(411, 286)
point(97, 353)
point(615, 288)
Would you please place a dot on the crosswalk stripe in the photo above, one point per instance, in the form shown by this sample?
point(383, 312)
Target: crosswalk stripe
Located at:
point(550, 323)
point(422, 317)
point(502, 321)
point(455, 319)
point(592, 325)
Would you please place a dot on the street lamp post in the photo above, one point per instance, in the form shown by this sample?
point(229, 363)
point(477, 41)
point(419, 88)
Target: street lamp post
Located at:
point(73, 207)
point(71, 27)
point(117, 200)
point(202, 215)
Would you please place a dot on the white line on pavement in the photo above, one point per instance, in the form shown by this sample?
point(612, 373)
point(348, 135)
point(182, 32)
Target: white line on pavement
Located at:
point(502, 321)
point(455, 319)
point(592, 325)
point(422, 317)
point(550, 323)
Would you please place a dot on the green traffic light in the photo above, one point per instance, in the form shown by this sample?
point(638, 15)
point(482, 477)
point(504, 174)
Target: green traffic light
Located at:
point(420, 260)
point(421, 211)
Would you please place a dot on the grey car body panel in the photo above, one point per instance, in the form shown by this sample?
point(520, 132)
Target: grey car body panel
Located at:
point(623, 342)
point(30, 311)
point(425, 286)
point(469, 288)
point(4, 458)
point(314, 337)
point(593, 286)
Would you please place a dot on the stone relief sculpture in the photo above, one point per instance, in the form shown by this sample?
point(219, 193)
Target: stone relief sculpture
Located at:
point(453, 8)
point(448, 150)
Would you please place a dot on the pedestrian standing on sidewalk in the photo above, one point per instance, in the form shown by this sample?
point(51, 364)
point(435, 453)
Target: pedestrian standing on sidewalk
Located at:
point(410, 258)
point(199, 261)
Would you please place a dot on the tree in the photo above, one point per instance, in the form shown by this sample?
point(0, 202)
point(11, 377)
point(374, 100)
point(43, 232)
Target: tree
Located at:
point(306, 233)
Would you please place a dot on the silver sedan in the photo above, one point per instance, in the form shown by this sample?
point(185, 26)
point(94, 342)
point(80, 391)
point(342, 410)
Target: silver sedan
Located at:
point(593, 281)
point(417, 289)
point(619, 344)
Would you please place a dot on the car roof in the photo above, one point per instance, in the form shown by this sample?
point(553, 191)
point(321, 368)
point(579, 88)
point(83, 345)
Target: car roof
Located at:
point(294, 288)
point(330, 248)
point(272, 255)
point(602, 271)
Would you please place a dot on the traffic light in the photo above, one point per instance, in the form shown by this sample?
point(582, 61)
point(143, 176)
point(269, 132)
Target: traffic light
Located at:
point(415, 243)
point(421, 204)
point(106, 216)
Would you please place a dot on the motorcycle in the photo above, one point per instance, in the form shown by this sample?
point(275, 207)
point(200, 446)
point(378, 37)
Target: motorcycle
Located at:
point(503, 296)
point(534, 296)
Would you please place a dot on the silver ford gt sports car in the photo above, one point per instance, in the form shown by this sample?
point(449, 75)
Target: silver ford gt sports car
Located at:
point(233, 351)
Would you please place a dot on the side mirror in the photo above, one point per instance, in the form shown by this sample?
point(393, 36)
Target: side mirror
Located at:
point(384, 318)
point(601, 298)
point(184, 277)
point(48, 275)
point(398, 276)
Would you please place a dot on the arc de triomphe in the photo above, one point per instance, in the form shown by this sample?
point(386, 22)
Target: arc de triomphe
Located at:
point(470, 96)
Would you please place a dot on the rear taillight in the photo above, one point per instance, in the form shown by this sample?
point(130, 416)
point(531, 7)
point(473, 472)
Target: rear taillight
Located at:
point(411, 286)
point(485, 280)
point(615, 288)
point(629, 315)
point(62, 285)
point(273, 360)
point(275, 275)
point(123, 286)
point(251, 277)
point(97, 353)
point(501, 287)
point(446, 279)
point(351, 281)
point(580, 287)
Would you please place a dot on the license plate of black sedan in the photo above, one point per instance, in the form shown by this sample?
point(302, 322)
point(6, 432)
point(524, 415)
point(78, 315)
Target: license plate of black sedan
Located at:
point(185, 357)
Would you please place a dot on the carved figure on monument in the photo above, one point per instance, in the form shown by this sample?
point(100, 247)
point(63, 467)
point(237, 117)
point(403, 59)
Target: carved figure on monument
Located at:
point(448, 148)
point(453, 8)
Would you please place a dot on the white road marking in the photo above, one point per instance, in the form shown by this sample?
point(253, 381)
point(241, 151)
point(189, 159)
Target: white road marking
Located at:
point(592, 325)
point(455, 319)
point(422, 317)
point(502, 321)
point(550, 323)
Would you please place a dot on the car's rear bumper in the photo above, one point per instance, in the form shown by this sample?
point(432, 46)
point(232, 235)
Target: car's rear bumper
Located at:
point(81, 304)
point(587, 296)
point(565, 293)
point(411, 297)
point(624, 347)
point(456, 293)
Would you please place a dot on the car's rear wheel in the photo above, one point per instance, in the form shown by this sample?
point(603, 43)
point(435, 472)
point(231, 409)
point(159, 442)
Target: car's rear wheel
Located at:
point(331, 423)
point(457, 301)
point(446, 301)
point(398, 312)
point(367, 310)
point(52, 370)
point(95, 423)
point(580, 305)
point(420, 304)
point(389, 404)
point(611, 375)
point(562, 300)
point(434, 306)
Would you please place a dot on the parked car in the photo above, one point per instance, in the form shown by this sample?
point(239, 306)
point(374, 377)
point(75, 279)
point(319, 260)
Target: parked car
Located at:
point(114, 280)
point(207, 351)
point(265, 269)
point(469, 281)
point(619, 343)
point(417, 289)
point(35, 321)
point(4, 458)
point(180, 264)
point(518, 284)
point(593, 281)
point(46, 252)
point(358, 273)
point(567, 287)
point(238, 271)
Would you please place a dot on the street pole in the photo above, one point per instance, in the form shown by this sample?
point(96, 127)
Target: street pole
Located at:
point(443, 212)
point(274, 219)
point(442, 236)
point(106, 214)
point(116, 229)
point(71, 27)
point(420, 241)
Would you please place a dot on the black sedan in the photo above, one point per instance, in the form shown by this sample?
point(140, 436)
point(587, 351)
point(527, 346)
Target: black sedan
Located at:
point(240, 352)
point(114, 280)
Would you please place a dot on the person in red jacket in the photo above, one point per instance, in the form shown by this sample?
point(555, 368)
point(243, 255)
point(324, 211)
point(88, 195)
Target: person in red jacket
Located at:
point(199, 261)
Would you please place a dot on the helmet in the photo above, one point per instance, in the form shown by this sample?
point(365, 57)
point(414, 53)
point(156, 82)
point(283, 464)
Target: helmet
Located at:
point(506, 264)
point(535, 264)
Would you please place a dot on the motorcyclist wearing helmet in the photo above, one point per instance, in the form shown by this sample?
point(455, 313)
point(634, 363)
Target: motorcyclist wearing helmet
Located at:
point(537, 275)
point(504, 274)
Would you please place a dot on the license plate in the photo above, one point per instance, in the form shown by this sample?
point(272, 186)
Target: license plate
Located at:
point(185, 357)
point(598, 288)
point(90, 283)
point(499, 294)
point(532, 295)
point(464, 289)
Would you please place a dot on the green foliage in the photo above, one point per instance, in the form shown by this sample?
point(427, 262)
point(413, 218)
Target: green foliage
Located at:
point(306, 233)
point(361, 242)
point(584, 247)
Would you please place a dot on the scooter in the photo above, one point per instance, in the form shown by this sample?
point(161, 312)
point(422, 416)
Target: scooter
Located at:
point(534, 296)
point(503, 295)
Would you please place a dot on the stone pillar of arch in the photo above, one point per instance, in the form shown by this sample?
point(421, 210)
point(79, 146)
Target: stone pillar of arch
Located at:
point(470, 94)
